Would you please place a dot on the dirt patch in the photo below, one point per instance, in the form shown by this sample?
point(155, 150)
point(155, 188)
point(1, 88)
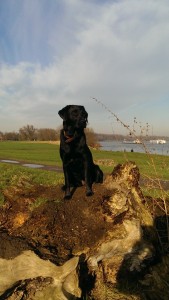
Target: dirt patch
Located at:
point(58, 228)
point(38, 218)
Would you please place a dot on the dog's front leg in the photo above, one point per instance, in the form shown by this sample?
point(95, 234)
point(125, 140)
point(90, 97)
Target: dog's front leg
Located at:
point(88, 178)
point(67, 183)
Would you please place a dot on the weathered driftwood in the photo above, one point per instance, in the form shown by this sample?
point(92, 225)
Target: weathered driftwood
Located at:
point(126, 252)
point(111, 234)
point(28, 265)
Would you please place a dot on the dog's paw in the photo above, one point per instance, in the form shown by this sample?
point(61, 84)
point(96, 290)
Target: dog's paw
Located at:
point(68, 194)
point(89, 193)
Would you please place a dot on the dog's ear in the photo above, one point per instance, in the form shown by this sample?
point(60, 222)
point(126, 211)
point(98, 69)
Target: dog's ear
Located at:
point(63, 112)
point(86, 114)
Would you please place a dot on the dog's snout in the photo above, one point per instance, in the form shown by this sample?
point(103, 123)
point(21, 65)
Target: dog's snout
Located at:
point(83, 122)
point(83, 118)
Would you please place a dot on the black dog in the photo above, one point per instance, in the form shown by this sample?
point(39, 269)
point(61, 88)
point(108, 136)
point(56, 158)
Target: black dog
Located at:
point(78, 165)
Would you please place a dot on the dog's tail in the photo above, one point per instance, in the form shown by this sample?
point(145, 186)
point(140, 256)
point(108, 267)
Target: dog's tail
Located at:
point(98, 176)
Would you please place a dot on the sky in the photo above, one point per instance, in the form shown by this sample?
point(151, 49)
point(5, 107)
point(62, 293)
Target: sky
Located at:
point(112, 56)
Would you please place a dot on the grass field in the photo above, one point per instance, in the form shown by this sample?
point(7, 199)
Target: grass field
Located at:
point(48, 154)
point(150, 166)
point(40, 153)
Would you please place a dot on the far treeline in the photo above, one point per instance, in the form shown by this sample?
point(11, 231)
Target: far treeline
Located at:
point(30, 133)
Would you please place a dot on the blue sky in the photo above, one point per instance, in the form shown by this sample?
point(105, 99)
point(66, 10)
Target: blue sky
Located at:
point(59, 52)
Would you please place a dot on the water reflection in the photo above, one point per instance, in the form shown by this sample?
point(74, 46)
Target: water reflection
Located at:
point(10, 161)
point(162, 149)
point(25, 165)
point(34, 166)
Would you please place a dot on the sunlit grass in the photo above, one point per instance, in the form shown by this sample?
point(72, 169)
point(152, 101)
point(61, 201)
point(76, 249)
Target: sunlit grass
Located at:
point(39, 153)
point(150, 166)
point(48, 154)
point(10, 175)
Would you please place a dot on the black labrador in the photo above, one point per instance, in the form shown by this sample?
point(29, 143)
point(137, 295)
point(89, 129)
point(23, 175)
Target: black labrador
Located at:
point(78, 165)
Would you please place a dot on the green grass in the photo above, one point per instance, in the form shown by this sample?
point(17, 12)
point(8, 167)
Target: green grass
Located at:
point(40, 153)
point(38, 202)
point(11, 174)
point(151, 166)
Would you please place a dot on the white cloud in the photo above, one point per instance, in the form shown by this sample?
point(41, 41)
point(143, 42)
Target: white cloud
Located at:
point(114, 51)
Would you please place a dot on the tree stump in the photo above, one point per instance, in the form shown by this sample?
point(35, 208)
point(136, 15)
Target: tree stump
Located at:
point(111, 233)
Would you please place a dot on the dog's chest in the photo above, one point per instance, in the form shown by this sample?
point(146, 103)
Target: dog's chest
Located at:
point(73, 149)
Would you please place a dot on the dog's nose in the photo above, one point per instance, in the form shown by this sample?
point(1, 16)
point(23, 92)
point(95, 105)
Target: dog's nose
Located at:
point(83, 121)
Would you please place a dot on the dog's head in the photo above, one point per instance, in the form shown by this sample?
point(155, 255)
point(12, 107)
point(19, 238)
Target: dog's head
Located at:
point(74, 117)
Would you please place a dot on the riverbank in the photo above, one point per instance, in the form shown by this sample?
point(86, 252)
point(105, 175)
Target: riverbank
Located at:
point(162, 149)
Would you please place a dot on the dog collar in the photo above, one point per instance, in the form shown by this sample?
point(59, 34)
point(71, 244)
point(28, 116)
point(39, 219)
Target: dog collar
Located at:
point(68, 138)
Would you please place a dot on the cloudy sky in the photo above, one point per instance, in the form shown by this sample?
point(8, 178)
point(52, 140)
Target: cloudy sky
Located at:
point(59, 52)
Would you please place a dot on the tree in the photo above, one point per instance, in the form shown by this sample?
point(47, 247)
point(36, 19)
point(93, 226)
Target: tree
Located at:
point(28, 133)
point(91, 138)
point(46, 134)
point(1, 136)
point(11, 136)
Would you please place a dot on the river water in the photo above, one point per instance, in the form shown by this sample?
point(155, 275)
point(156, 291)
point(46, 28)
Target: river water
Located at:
point(162, 149)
